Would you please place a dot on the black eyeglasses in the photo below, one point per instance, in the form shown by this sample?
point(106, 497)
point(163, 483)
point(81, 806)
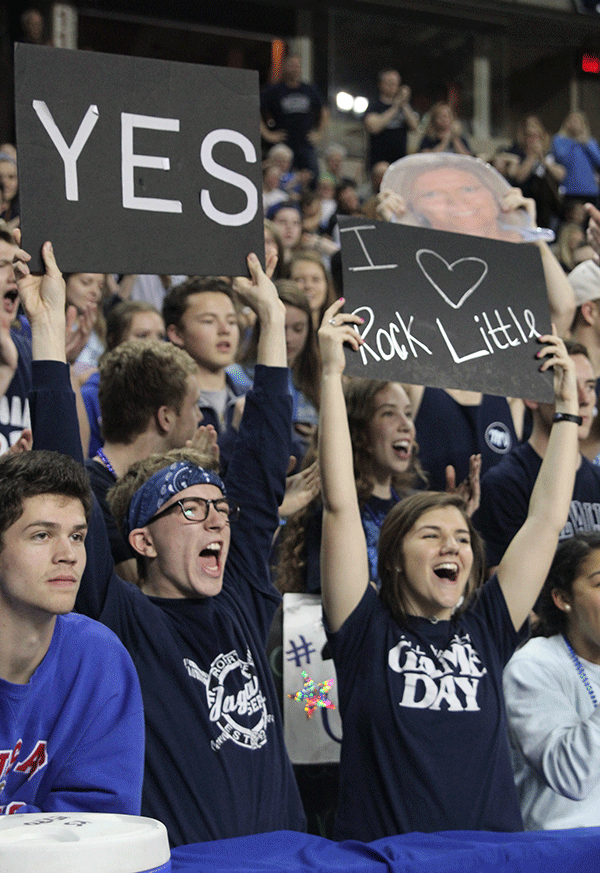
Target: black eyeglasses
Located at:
point(197, 508)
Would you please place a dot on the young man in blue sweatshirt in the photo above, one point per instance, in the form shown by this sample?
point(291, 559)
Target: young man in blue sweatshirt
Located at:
point(71, 720)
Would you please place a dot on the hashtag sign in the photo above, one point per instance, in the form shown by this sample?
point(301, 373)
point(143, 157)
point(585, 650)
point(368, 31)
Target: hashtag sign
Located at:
point(301, 651)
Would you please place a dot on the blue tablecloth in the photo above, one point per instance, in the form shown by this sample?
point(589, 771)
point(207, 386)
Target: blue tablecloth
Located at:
point(567, 851)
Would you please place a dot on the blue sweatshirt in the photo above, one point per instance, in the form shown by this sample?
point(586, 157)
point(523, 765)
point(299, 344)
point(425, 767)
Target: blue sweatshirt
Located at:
point(72, 738)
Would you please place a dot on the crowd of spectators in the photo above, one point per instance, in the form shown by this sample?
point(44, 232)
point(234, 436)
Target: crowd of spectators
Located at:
point(189, 396)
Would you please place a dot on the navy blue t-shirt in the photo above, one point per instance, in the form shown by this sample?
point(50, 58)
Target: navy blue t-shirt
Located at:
point(390, 143)
point(449, 432)
point(430, 142)
point(506, 491)
point(14, 405)
point(216, 763)
point(425, 743)
point(296, 110)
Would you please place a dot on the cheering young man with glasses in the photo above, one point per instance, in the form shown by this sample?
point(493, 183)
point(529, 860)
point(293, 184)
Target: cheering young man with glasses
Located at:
point(196, 627)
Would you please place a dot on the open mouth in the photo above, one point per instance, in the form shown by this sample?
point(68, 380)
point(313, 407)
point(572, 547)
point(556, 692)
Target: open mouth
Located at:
point(210, 558)
point(447, 571)
point(11, 295)
point(402, 449)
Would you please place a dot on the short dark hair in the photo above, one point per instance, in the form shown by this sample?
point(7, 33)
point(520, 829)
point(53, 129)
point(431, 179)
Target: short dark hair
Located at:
point(575, 348)
point(398, 522)
point(385, 71)
point(136, 379)
point(565, 568)
point(175, 301)
point(33, 474)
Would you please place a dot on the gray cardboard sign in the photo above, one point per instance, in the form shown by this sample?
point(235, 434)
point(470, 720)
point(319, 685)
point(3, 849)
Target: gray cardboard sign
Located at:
point(132, 165)
point(445, 309)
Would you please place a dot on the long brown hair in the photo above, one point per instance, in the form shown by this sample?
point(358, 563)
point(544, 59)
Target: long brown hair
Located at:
point(99, 327)
point(399, 521)
point(314, 258)
point(360, 395)
point(306, 372)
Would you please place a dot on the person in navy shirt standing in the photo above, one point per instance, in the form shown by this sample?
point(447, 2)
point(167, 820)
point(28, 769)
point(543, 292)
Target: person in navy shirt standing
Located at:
point(419, 668)
point(298, 115)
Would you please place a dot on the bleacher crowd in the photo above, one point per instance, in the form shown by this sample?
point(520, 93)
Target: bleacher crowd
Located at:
point(209, 454)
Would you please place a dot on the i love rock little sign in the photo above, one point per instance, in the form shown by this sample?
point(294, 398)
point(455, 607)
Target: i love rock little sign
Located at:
point(445, 309)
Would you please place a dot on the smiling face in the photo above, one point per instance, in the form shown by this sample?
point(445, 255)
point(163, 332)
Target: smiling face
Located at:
point(186, 558)
point(310, 276)
point(209, 330)
point(391, 434)
point(455, 200)
point(83, 289)
point(42, 558)
point(437, 563)
point(582, 609)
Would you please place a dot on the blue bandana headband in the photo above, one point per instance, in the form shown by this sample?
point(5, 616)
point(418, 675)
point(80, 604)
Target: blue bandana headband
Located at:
point(166, 483)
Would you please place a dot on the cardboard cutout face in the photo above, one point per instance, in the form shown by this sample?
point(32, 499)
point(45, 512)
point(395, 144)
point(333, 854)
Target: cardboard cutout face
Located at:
point(460, 194)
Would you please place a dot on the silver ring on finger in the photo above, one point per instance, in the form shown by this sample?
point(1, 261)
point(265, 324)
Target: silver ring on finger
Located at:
point(333, 322)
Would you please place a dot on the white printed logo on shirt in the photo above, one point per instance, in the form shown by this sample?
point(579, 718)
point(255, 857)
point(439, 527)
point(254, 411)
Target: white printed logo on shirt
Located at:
point(448, 680)
point(240, 712)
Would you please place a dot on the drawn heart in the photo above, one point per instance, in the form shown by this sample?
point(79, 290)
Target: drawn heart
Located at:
point(450, 273)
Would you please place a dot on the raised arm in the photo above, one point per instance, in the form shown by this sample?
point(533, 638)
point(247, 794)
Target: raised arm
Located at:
point(561, 296)
point(53, 410)
point(43, 299)
point(260, 294)
point(344, 562)
point(256, 473)
point(593, 231)
point(525, 565)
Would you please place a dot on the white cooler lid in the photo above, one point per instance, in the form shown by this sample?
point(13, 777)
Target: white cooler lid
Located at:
point(87, 842)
